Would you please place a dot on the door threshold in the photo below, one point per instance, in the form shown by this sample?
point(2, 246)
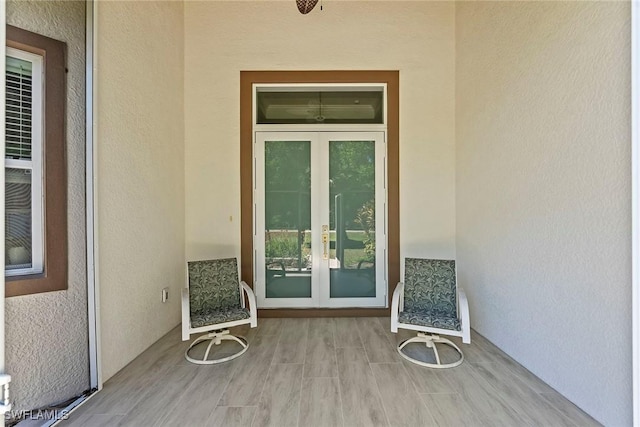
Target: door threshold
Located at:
point(323, 312)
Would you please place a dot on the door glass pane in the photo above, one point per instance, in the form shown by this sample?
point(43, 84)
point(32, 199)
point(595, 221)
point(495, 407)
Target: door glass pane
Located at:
point(17, 219)
point(288, 219)
point(352, 260)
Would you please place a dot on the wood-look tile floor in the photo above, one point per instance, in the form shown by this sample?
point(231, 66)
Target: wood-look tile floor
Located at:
point(325, 372)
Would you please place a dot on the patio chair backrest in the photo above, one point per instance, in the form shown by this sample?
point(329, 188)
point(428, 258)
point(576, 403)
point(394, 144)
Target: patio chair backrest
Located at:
point(430, 286)
point(213, 286)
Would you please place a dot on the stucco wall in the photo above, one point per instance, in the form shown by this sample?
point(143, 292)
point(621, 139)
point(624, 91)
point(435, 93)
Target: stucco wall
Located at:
point(140, 174)
point(46, 334)
point(543, 191)
point(223, 38)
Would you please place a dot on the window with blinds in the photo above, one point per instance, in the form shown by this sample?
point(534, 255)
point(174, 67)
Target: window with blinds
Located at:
point(23, 164)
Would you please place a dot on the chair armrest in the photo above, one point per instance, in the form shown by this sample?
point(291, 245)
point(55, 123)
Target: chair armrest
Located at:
point(186, 321)
point(253, 309)
point(395, 306)
point(465, 322)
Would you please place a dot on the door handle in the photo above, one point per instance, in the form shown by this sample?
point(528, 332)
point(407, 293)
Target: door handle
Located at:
point(325, 241)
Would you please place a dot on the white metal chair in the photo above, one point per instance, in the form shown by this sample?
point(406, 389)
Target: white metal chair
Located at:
point(213, 302)
point(429, 302)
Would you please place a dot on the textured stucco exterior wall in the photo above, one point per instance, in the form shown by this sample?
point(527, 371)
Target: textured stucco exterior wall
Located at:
point(140, 174)
point(224, 38)
point(543, 191)
point(46, 334)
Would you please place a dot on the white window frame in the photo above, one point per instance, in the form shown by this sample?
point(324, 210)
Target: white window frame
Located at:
point(635, 205)
point(317, 301)
point(34, 165)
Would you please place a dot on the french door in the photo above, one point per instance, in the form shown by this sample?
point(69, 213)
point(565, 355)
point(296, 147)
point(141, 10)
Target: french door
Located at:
point(320, 219)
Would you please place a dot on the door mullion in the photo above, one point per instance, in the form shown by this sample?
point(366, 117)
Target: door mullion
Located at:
point(322, 164)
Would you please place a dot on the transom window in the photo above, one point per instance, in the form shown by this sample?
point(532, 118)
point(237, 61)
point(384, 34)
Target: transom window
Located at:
point(320, 104)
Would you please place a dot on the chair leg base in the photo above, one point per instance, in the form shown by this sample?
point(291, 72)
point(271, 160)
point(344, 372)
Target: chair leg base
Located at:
point(430, 341)
point(216, 338)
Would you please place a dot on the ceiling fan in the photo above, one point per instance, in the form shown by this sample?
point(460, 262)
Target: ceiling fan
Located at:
point(305, 6)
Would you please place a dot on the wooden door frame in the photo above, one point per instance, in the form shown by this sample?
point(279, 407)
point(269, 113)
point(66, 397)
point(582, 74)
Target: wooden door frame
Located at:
point(391, 78)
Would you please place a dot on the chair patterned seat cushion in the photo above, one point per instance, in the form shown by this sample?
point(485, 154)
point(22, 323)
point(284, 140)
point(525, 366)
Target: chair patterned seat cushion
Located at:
point(224, 316)
point(429, 320)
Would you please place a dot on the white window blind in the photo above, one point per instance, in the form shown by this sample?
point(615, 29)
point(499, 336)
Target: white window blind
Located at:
point(18, 108)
